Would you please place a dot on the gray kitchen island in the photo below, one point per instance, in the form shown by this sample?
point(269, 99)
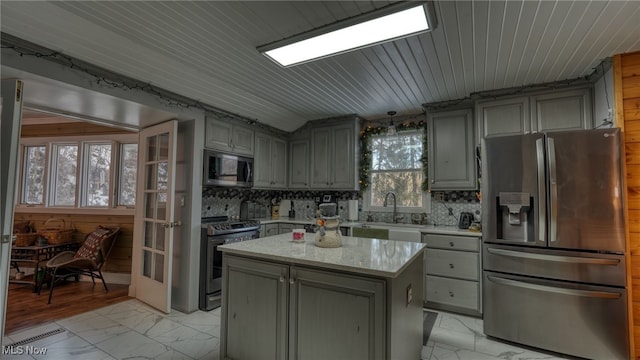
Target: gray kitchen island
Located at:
point(286, 300)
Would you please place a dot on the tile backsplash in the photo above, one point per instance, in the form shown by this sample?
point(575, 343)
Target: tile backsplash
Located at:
point(226, 201)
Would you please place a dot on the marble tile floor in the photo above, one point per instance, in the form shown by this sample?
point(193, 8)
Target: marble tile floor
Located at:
point(132, 330)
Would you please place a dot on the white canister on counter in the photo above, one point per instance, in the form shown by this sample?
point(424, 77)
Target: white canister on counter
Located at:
point(297, 235)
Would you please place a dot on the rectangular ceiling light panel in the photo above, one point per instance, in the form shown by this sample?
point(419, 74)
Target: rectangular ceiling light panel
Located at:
point(389, 27)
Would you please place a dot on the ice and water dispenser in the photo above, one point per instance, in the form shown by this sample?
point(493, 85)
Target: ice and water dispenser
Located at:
point(515, 217)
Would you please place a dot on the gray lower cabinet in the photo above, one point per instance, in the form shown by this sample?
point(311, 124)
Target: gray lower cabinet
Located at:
point(280, 311)
point(255, 296)
point(335, 316)
point(269, 230)
point(452, 272)
point(286, 228)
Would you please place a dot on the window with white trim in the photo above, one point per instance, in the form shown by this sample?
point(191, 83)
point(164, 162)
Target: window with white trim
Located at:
point(33, 172)
point(128, 169)
point(72, 173)
point(396, 166)
point(64, 173)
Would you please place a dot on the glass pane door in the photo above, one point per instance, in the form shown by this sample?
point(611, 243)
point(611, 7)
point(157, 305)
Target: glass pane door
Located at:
point(154, 218)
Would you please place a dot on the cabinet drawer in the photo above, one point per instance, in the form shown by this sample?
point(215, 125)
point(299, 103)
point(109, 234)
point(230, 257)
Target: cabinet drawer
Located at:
point(458, 264)
point(465, 243)
point(286, 228)
point(453, 292)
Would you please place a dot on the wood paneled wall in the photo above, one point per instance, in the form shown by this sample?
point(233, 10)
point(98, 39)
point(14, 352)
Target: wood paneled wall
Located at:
point(68, 129)
point(119, 260)
point(627, 94)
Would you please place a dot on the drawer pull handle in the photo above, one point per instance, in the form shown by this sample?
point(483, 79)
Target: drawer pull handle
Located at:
point(281, 278)
point(451, 294)
point(451, 243)
point(451, 266)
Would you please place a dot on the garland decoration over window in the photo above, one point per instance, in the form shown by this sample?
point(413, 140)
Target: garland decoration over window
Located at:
point(365, 150)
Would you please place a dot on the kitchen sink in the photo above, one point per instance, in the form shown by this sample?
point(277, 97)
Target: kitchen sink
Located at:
point(391, 231)
point(370, 232)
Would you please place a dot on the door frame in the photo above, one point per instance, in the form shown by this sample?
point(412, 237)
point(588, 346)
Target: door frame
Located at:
point(11, 108)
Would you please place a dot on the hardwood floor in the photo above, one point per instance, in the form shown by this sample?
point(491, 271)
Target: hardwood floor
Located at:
point(26, 309)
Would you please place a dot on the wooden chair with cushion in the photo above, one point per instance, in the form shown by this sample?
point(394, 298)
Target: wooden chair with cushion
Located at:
point(87, 260)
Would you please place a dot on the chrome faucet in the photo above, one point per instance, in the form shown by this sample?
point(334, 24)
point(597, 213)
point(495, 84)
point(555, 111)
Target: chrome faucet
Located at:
point(386, 198)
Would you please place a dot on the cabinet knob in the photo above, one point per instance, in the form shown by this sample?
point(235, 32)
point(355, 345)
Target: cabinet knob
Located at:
point(433, 181)
point(281, 278)
point(451, 294)
point(451, 266)
point(451, 243)
point(292, 281)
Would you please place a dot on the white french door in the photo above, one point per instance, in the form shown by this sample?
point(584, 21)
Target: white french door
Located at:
point(154, 222)
point(11, 109)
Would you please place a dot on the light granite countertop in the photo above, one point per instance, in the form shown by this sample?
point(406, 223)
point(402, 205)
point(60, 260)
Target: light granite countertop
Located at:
point(384, 258)
point(430, 229)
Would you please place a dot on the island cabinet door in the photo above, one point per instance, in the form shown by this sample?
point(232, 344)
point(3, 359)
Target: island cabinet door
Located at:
point(334, 316)
point(254, 310)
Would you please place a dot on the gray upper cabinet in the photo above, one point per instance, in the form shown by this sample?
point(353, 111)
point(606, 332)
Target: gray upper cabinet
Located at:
point(548, 111)
point(333, 157)
point(565, 110)
point(270, 163)
point(451, 150)
point(503, 117)
point(228, 137)
point(299, 164)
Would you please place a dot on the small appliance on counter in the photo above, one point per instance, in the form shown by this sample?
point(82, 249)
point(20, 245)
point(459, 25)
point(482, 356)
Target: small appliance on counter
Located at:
point(251, 210)
point(465, 220)
point(328, 233)
point(292, 212)
point(285, 206)
point(353, 210)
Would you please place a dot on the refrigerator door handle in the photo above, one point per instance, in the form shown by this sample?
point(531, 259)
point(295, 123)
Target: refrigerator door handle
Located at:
point(542, 219)
point(556, 258)
point(552, 289)
point(553, 191)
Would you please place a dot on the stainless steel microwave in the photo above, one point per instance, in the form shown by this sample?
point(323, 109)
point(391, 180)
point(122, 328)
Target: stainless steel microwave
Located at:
point(227, 170)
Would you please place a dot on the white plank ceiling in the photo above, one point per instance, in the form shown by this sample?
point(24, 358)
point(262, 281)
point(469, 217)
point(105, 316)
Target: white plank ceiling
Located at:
point(206, 50)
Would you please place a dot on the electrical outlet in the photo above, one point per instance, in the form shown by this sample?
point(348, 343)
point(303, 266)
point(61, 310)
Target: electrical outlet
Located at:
point(438, 196)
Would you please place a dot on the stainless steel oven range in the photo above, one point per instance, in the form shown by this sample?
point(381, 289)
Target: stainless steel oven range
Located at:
point(217, 231)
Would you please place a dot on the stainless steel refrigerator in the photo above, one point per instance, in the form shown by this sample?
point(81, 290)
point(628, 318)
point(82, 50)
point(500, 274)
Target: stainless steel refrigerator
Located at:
point(554, 241)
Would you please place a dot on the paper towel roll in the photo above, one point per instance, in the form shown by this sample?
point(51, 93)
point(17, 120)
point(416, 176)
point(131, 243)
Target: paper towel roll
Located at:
point(353, 210)
point(285, 206)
